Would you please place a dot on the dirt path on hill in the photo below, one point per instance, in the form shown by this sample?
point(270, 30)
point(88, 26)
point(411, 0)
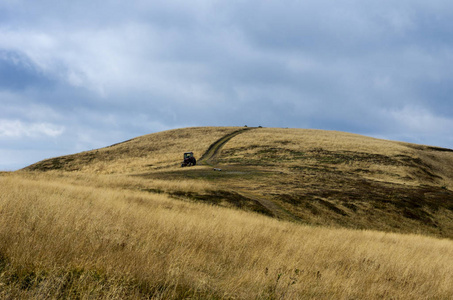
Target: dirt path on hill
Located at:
point(210, 155)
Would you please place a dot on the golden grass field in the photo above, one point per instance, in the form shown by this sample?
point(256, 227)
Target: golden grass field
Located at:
point(294, 214)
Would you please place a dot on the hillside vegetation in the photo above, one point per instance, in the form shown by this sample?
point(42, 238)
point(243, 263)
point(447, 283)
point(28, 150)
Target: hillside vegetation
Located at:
point(293, 213)
point(308, 176)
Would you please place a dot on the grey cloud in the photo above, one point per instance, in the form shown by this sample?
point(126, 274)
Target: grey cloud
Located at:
point(17, 72)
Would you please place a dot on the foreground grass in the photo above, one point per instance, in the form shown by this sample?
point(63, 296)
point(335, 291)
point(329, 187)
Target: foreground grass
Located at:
point(61, 237)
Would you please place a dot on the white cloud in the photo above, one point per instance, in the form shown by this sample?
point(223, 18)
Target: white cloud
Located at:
point(420, 119)
point(107, 60)
point(20, 129)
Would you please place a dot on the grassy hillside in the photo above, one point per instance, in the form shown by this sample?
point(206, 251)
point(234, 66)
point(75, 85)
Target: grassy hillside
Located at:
point(280, 220)
point(308, 176)
point(80, 237)
point(151, 152)
point(350, 180)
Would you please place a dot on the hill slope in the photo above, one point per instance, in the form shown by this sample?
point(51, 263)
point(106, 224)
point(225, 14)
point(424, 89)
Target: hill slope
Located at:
point(79, 236)
point(127, 222)
point(309, 176)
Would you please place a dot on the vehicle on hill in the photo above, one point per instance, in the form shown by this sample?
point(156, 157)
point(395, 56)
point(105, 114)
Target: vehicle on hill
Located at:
point(189, 160)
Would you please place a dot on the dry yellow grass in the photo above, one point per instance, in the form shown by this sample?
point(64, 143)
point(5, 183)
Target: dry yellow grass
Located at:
point(63, 239)
point(120, 182)
point(309, 176)
point(127, 222)
point(162, 150)
point(251, 143)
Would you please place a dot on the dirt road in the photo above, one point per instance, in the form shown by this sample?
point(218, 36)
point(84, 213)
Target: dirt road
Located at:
point(208, 158)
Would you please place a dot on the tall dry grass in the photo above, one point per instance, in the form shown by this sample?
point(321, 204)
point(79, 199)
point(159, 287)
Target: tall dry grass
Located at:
point(121, 182)
point(63, 239)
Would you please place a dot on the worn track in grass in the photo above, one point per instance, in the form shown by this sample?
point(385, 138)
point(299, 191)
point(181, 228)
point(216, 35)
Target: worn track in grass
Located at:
point(208, 158)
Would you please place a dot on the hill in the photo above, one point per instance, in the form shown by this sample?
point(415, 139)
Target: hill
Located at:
point(310, 176)
point(266, 213)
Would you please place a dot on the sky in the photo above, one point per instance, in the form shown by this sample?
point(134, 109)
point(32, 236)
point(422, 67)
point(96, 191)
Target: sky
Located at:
point(81, 75)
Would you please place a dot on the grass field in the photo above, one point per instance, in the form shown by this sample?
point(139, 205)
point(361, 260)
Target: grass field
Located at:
point(294, 214)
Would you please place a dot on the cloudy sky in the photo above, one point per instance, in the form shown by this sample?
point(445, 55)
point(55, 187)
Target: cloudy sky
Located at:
point(79, 75)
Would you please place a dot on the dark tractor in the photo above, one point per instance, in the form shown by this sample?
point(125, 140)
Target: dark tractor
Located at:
point(189, 160)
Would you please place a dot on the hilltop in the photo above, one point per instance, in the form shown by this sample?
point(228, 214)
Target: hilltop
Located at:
point(312, 177)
